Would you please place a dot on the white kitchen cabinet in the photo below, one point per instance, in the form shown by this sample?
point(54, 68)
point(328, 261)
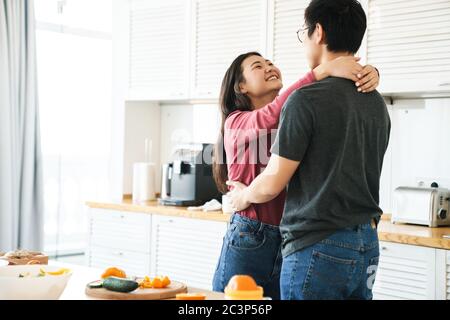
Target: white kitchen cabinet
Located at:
point(409, 42)
point(222, 31)
point(447, 275)
point(134, 263)
point(186, 249)
point(442, 274)
point(405, 272)
point(119, 239)
point(159, 49)
point(287, 53)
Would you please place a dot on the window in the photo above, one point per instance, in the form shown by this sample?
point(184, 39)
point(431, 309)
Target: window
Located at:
point(74, 52)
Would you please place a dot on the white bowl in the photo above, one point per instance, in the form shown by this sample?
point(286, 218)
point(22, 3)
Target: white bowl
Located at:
point(48, 287)
point(3, 263)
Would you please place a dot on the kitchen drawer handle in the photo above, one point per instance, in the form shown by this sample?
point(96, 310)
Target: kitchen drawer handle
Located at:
point(119, 253)
point(383, 248)
point(444, 84)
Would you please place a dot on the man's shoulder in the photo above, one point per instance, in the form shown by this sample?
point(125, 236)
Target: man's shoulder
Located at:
point(306, 95)
point(327, 84)
point(331, 87)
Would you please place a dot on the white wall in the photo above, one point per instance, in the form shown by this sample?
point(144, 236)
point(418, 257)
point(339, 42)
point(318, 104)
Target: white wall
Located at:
point(142, 121)
point(419, 150)
point(185, 124)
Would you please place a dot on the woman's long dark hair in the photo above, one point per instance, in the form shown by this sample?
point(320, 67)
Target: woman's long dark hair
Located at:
point(231, 99)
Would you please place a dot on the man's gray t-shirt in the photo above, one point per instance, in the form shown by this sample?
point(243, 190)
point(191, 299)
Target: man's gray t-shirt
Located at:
point(340, 136)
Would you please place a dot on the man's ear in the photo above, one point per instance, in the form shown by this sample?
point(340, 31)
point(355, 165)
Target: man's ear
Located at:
point(319, 34)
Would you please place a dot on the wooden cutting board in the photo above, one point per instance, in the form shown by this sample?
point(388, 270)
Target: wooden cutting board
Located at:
point(138, 294)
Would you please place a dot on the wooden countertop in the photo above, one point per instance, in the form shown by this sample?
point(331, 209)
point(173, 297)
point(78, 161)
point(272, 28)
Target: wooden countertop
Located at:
point(413, 234)
point(399, 233)
point(152, 207)
point(82, 275)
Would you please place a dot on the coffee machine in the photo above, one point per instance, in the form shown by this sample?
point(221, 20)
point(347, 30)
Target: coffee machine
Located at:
point(188, 179)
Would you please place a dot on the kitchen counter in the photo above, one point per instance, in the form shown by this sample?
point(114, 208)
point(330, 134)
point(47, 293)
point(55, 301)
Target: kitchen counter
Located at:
point(413, 234)
point(399, 233)
point(82, 275)
point(152, 207)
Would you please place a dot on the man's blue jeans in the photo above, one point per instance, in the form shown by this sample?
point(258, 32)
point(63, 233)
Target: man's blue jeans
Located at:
point(342, 266)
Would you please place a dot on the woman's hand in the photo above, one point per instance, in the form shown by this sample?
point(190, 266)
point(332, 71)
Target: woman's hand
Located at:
point(369, 79)
point(342, 67)
point(365, 78)
point(237, 196)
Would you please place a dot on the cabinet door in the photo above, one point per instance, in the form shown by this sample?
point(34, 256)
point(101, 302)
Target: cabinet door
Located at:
point(120, 230)
point(409, 42)
point(286, 52)
point(186, 250)
point(442, 274)
point(223, 30)
point(405, 272)
point(159, 60)
point(447, 275)
point(134, 263)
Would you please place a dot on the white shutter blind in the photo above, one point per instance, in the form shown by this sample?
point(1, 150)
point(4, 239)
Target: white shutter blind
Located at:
point(186, 249)
point(158, 48)
point(410, 40)
point(288, 53)
point(224, 29)
point(405, 272)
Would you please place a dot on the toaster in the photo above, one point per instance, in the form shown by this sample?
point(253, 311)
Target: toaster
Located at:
point(423, 206)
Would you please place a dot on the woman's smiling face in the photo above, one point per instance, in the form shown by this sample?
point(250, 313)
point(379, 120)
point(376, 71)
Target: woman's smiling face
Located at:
point(262, 78)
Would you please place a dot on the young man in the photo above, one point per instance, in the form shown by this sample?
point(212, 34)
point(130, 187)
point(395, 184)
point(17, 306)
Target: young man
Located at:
point(329, 150)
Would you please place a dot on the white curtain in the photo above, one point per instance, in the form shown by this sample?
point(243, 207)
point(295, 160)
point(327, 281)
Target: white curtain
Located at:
point(21, 200)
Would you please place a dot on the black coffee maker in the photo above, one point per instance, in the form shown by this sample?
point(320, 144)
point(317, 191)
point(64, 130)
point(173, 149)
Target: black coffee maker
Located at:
point(188, 179)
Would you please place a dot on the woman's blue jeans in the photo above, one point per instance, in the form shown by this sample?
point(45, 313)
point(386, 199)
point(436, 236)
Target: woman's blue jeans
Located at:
point(252, 248)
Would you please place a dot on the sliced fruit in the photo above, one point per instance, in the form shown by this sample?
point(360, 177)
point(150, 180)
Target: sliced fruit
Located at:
point(157, 283)
point(56, 273)
point(165, 281)
point(190, 296)
point(242, 282)
point(114, 272)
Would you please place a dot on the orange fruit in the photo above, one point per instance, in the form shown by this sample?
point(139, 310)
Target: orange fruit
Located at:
point(165, 281)
point(242, 283)
point(191, 296)
point(157, 283)
point(114, 272)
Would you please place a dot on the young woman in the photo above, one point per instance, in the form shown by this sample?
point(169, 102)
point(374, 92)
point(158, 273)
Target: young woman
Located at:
point(251, 107)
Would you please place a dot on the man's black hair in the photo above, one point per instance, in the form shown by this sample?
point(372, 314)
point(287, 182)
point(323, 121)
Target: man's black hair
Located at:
point(344, 23)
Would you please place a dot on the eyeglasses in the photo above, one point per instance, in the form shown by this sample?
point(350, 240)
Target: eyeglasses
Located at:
point(300, 33)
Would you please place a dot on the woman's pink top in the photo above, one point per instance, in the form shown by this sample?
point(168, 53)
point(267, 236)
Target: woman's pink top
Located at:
point(248, 138)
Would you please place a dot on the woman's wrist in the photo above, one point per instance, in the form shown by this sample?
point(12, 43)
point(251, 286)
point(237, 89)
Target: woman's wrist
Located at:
point(320, 72)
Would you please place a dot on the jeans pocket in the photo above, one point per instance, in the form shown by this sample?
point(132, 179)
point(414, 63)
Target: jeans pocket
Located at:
point(245, 237)
point(328, 277)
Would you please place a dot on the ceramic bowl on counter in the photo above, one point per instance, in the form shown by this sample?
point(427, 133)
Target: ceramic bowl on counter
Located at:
point(32, 282)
